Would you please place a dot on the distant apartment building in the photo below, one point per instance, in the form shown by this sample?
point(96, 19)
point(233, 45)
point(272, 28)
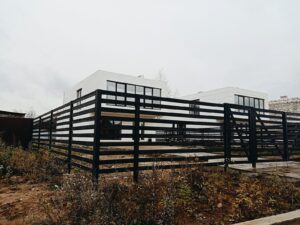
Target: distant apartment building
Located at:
point(286, 104)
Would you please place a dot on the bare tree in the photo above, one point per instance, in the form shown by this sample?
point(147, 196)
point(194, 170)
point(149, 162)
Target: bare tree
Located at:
point(169, 92)
point(30, 114)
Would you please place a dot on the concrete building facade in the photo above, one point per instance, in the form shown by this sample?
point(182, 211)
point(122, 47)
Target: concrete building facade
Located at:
point(286, 104)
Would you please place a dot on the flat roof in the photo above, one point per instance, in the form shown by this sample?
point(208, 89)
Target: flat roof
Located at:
point(11, 113)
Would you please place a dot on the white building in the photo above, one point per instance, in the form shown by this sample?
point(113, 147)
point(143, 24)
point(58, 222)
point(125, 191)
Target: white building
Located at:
point(116, 82)
point(139, 85)
point(233, 95)
point(111, 81)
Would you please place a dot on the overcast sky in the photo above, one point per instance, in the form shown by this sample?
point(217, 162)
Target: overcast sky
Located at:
point(47, 46)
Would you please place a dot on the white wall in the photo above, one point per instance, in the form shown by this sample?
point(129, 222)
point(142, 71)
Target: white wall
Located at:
point(98, 80)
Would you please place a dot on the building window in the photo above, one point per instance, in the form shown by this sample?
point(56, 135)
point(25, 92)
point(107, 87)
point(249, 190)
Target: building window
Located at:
point(236, 99)
point(256, 103)
point(140, 90)
point(133, 89)
point(130, 90)
point(111, 86)
point(195, 108)
point(241, 100)
point(250, 101)
point(149, 92)
point(261, 104)
point(79, 96)
point(121, 89)
point(110, 129)
point(156, 93)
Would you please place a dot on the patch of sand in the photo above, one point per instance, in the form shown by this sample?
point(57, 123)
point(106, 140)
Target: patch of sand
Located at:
point(20, 201)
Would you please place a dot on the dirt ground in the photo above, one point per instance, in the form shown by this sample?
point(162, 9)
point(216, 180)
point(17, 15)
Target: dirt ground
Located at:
point(20, 200)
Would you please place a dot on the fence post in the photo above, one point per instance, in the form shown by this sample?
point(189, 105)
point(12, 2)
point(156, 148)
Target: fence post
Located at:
point(70, 137)
point(252, 137)
point(50, 130)
point(39, 138)
point(136, 138)
point(96, 145)
point(285, 137)
point(227, 135)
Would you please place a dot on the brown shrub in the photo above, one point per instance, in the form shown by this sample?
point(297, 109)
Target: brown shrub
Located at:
point(35, 166)
point(198, 195)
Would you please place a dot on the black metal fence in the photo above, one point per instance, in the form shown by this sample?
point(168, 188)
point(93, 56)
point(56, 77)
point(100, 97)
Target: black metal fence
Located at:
point(106, 132)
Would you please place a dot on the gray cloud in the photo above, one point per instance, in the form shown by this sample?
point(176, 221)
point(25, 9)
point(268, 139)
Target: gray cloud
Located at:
point(201, 45)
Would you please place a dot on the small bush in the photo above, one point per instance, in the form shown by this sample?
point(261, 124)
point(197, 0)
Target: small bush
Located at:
point(36, 166)
point(5, 160)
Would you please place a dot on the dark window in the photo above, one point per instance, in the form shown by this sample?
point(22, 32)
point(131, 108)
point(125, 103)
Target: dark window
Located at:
point(181, 131)
point(110, 129)
point(195, 108)
point(249, 101)
point(132, 89)
point(79, 91)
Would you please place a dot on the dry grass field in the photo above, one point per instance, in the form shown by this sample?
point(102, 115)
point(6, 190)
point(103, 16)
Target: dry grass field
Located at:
point(34, 189)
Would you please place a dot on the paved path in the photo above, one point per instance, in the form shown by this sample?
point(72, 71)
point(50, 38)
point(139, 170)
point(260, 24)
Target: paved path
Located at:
point(284, 219)
point(289, 169)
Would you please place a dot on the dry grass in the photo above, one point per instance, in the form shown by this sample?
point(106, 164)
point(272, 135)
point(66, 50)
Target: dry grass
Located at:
point(191, 196)
point(34, 166)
